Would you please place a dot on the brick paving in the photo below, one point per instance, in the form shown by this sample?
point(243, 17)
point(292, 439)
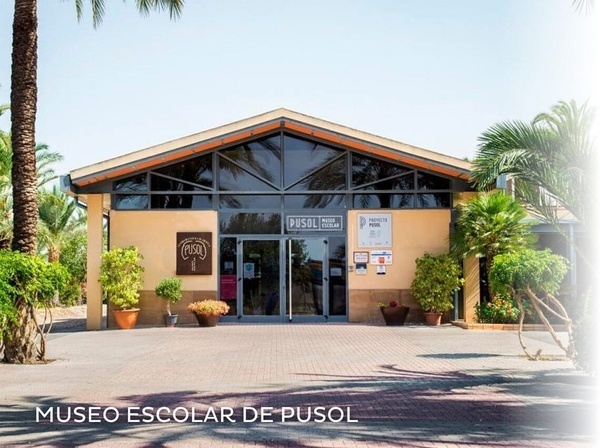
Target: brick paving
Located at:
point(410, 386)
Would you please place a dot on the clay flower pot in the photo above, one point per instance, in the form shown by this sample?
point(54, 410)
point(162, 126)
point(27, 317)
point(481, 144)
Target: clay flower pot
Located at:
point(394, 315)
point(207, 320)
point(126, 319)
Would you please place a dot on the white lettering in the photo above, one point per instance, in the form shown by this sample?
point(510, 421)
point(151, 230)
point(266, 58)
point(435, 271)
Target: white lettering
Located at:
point(148, 413)
point(227, 413)
point(159, 411)
point(106, 416)
point(94, 414)
point(265, 413)
point(132, 414)
point(39, 412)
point(176, 413)
point(210, 415)
point(286, 412)
point(246, 410)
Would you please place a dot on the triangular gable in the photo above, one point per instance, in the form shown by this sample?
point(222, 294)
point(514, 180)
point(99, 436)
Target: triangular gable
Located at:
point(260, 125)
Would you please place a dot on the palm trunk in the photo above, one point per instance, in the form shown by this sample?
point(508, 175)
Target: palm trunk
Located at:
point(20, 344)
point(53, 254)
point(20, 347)
point(23, 99)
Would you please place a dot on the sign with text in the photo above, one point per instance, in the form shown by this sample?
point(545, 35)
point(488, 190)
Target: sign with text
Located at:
point(314, 223)
point(381, 257)
point(374, 230)
point(194, 253)
point(361, 257)
point(228, 286)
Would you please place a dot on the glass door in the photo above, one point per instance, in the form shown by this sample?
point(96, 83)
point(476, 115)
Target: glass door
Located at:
point(306, 284)
point(260, 279)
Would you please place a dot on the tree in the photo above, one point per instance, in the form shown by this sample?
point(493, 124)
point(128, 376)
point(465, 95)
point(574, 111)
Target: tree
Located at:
point(583, 5)
point(44, 157)
point(58, 220)
point(489, 225)
point(552, 160)
point(23, 99)
point(534, 277)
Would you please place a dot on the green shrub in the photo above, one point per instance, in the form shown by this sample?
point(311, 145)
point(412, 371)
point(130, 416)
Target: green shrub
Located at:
point(121, 276)
point(26, 280)
point(500, 310)
point(437, 277)
point(169, 289)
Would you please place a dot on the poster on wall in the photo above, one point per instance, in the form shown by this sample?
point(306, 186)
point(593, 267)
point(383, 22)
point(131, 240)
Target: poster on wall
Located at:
point(374, 230)
point(228, 287)
point(194, 253)
point(381, 257)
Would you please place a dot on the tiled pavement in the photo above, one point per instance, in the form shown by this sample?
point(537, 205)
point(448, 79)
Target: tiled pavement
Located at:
point(406, 386)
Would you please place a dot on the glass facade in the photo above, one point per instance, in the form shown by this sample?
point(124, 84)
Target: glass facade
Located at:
point(277, 173)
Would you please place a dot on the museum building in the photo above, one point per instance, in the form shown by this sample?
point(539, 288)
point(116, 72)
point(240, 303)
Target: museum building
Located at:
point(286, 217)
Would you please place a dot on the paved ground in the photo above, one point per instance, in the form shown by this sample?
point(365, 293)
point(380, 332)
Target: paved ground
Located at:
point(405, 386)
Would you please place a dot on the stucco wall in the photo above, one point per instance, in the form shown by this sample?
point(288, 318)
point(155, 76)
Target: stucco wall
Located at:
point(414, 232)
point(155, 234)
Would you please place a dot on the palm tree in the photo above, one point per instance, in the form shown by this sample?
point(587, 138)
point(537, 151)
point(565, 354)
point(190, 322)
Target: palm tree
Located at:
point(45, 173)
point(490, 224)
point(583, 5)
point(20, 343)
point(553, 155)
point(58, 220)
point(552, 161)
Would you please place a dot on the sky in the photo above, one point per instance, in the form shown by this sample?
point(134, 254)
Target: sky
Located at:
point(431, 73)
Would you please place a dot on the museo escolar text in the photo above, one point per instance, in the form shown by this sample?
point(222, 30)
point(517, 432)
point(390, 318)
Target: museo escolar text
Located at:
point(180, 414)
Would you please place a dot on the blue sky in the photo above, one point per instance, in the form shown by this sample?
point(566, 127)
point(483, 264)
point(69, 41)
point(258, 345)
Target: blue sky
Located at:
point(431, 73)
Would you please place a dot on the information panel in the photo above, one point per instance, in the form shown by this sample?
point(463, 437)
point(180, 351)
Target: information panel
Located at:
point(374, 230)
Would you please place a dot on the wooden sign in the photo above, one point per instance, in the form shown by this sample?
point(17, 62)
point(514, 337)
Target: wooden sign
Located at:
point(194, 253)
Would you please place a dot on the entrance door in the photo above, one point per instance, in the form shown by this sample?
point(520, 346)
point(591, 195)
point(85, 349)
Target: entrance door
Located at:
point(296, 279)
point(316, 279)
point(261, 278)
point(306, 284)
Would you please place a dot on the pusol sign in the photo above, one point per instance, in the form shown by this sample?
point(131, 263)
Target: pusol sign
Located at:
point(194, 253)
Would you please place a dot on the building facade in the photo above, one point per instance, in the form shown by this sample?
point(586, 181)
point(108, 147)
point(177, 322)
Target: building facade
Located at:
point(286, 217)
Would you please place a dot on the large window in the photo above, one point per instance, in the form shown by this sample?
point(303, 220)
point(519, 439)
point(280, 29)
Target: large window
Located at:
point(280, 172)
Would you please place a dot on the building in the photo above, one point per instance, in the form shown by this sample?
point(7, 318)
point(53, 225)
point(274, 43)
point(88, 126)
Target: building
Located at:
point(284, 216)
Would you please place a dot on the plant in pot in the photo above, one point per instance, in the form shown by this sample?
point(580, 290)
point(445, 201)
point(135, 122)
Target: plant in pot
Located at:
point(437, 277)
point(393, 314)
point(121, 281)
point(169, 289)
point(208, 311)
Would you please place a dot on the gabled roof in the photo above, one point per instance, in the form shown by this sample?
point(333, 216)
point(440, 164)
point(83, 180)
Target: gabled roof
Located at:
point(261, 125)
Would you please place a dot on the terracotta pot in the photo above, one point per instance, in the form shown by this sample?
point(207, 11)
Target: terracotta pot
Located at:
point(433, 318)
point(126, 319)
point(394, 315)
point(207, 320)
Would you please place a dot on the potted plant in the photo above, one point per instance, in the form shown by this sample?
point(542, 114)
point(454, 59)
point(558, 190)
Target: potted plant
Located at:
point(437, 277)
point(393, 314)
point(121, 281)
point(208, 311)
point(169, 289)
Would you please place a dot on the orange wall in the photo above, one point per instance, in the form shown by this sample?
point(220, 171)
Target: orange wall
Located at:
point(155, 234)
point(414, 232)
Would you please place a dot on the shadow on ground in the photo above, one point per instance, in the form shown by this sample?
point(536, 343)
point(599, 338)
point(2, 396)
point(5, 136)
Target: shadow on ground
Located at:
point(404, 408)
